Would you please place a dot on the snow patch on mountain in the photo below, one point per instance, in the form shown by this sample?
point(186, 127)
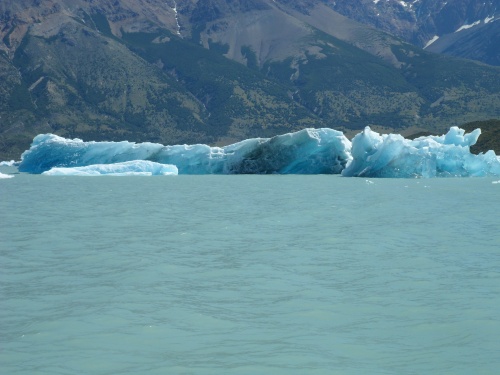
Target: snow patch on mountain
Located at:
point(434, 38)
point(177, 18)
point(465, 27)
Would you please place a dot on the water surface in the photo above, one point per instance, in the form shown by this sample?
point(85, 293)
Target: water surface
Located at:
point(249, 275)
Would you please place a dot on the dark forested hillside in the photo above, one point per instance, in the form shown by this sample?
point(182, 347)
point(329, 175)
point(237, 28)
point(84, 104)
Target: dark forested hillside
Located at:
point(490, 135)
point(219, 71)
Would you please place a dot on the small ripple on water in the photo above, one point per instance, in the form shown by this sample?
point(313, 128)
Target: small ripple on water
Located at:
point(294, 274)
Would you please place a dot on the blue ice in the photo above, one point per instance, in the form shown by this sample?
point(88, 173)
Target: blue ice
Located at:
point(5, 176)
point(128, 168)
point(309, 151)
point(391, 155)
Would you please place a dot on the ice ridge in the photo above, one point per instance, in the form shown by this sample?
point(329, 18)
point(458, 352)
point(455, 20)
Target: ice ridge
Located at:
point(128, 168)
point(391, 155)
point(309, 151)
point(5, 176)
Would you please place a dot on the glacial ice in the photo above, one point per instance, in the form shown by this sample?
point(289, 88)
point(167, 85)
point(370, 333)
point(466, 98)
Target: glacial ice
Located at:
point(7, 163)
point(5, 176)
point(128, 168)
point(391, 155)
point(309, 151)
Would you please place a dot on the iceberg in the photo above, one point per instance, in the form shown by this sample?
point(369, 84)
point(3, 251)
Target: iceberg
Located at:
point(5, 176)
point(128, 168)
point(309, 151)
point(6, 163)
point(391, 155)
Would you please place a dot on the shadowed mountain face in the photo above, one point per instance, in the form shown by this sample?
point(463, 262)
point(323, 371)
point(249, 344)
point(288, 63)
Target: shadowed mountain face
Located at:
point(480, 42)
point(455, 22)
point(218, 71)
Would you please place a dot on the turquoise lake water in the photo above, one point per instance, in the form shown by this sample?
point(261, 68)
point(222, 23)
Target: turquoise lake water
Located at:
point(249, 275)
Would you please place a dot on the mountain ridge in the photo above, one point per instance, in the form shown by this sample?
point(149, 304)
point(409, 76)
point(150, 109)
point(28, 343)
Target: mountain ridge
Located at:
point(421, 22)
point(218, 72)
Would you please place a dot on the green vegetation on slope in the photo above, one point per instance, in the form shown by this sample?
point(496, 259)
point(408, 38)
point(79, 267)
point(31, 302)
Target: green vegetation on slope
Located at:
point(242, 102)
point(347, 87)
point(82, 81)
point(106, 94)
point(454, 91)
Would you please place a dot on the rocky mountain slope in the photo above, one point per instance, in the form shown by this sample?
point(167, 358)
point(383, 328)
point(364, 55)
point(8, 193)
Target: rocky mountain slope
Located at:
point(218, 71)
point(462, 28)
